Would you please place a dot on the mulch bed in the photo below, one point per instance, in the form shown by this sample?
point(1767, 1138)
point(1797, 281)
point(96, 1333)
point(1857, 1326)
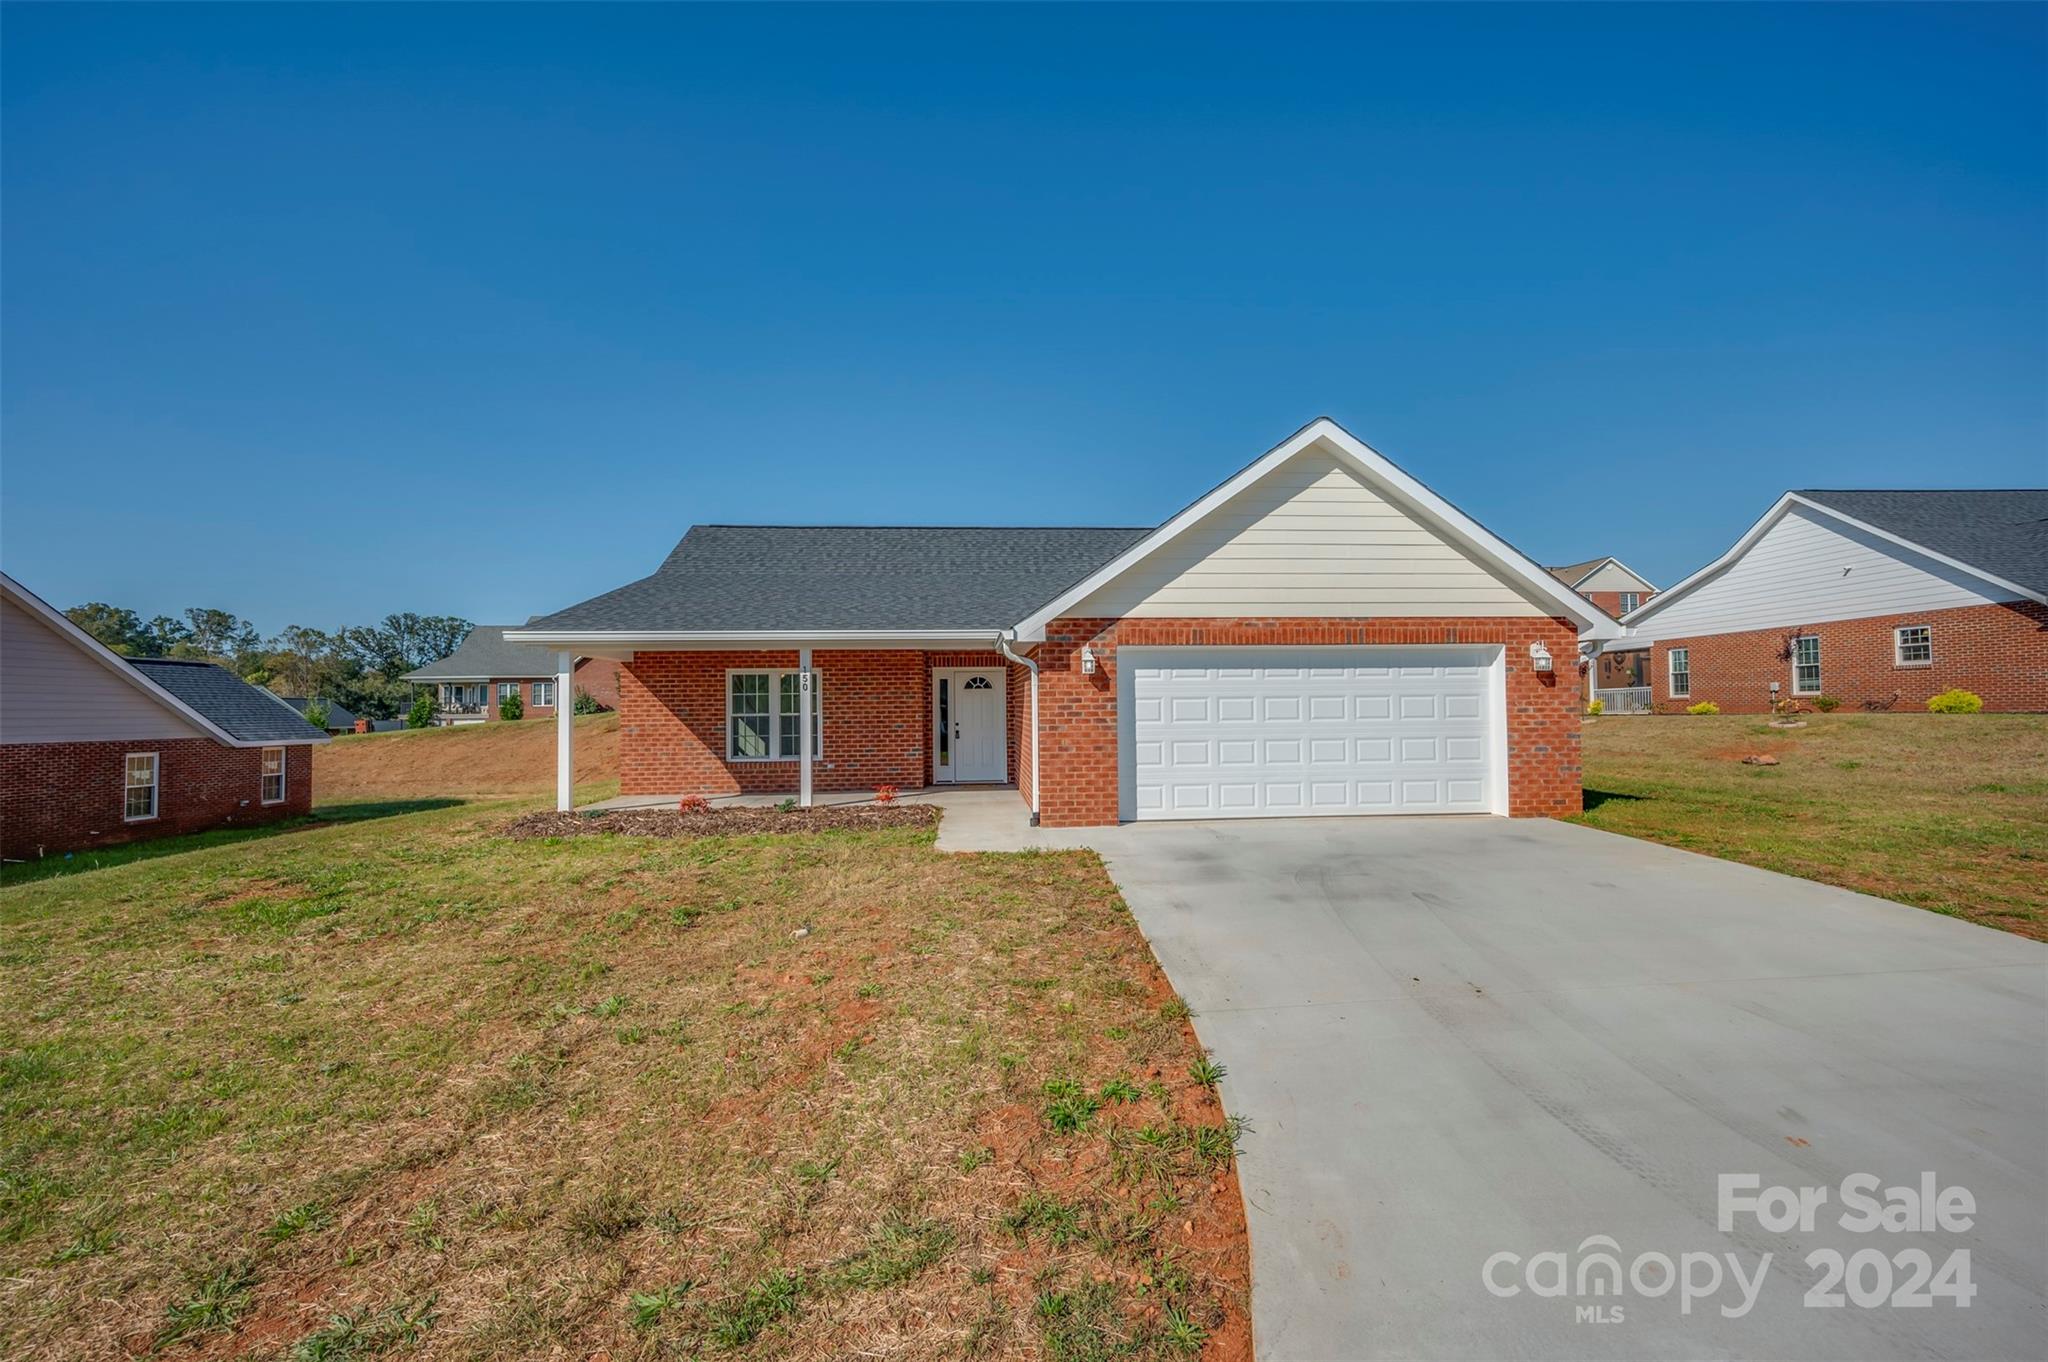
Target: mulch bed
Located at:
point(730, 822)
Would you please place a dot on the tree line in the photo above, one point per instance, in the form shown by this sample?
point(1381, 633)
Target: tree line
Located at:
point(357, 666)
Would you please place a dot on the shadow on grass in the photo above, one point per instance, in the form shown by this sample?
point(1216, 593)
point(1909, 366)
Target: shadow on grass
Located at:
point(1595, 798)
point(102, 858)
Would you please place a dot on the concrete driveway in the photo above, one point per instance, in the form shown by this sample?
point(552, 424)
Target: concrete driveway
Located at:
point(1462, 1038)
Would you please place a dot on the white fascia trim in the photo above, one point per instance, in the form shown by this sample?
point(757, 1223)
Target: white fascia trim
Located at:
point(817, 638)
point(114, 662)
point(1778, 511)
point(1468, 534)
point(1645, 582)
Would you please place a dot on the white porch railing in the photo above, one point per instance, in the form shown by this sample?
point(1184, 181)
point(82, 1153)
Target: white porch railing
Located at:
point(1624, 700)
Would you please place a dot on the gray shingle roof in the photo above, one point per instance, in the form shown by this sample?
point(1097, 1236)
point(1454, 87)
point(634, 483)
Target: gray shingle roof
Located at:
point(235, 706)
point(486, 656)
point(2000, 531)
point(337, 717)
point(850, 577)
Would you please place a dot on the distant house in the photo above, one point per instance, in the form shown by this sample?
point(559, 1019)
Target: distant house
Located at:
point(1877, 599)
point(97, 749)
point(471, 682)
point(1616, 588)
point(339, 720)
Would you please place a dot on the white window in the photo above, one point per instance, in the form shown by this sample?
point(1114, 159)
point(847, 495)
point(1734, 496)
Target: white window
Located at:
point(1806, 665)
point(1630, 600)
point(1680, 660)
point(1913, 645)
point(762, 712)
point(140, 800)
point(543, 692)
point(273, 775)
point(508, 690)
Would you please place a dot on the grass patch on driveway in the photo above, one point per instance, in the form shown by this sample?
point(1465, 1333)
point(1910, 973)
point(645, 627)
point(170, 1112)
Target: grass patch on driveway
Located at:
point(406, 1084)
point(1942, 811)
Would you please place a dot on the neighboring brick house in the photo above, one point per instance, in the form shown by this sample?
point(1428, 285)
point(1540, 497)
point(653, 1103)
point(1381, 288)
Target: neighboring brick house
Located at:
point(1877, 599)
point(1320, 634)
point(471, 683)
point(1616, 588)
point(98, 749)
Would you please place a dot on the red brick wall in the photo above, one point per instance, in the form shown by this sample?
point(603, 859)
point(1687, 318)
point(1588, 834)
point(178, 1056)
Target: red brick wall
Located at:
point(876, 722)
point(1077, 737)
point(1610, 601)
point(57, 797)
point(599, 678)
point(1998, 651)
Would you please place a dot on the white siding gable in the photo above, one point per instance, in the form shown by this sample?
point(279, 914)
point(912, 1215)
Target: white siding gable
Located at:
point(1310, 538)
point(50, 691)
point(1615, 577)
point(1809, 568)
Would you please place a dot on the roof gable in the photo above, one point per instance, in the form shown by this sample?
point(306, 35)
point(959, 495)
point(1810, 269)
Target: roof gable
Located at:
point(248, 714)
point(1388, 484)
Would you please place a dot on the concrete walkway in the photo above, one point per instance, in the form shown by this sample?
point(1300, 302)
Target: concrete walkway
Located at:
point(1457, 1038)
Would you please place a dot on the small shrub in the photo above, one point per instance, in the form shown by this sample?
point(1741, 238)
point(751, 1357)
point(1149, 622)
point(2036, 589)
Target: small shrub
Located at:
point(421, 715)
point(1703, 707)
point(693, 804)
point(512, 707)
point(316, 713)
point(787, 806)
point(885, 794)
point(1826, 704)
point(1956, 701)
point(586, 703)
point(1597, 708)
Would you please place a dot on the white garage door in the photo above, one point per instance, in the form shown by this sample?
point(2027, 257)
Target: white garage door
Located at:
point(1279, 732)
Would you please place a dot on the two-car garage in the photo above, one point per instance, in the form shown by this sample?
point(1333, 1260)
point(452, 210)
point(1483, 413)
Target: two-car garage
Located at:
point(1291, 732)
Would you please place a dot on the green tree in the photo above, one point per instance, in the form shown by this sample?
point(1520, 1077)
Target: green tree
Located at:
point(586, 703)
point(511, 706)
point(316, 713)
point(422, 715)
point(118, 627)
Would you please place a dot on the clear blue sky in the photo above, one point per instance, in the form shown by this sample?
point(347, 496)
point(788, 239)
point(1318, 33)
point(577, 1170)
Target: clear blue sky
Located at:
point(315, 313)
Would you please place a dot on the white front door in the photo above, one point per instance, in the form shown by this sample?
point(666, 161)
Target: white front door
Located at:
point(968, 710)
point(1251, 733)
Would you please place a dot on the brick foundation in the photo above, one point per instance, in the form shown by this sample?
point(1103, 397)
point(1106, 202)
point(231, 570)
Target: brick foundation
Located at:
point(1077, 737)
point(58, 797)
point(1998, 651)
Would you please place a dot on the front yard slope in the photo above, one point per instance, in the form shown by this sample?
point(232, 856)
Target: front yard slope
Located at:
point(411, 1087)
point(470, 762)
point(1943, 811)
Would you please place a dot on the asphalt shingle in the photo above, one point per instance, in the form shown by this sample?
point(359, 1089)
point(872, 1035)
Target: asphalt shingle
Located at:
point(2000, 531)
point(851, 577)
point(236, 707)
point(486, 656)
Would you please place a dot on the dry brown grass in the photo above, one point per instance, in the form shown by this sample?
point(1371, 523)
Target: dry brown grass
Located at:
point(476, 761)
point(1944, 811)
point(498, 1097)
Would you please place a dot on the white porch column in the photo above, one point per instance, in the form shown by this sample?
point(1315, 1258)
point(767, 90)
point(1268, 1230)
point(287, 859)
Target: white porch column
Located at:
point(806, 701)
point(565, 731)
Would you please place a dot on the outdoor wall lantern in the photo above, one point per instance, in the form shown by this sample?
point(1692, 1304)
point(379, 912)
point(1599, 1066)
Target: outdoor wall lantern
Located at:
point(1087, 660)
point(1539, 657)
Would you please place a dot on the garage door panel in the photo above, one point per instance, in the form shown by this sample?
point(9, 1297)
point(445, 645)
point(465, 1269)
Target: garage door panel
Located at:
point(1354, 730)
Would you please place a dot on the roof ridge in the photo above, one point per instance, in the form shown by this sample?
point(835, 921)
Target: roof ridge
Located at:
point(737, 525)
point(1943, 491)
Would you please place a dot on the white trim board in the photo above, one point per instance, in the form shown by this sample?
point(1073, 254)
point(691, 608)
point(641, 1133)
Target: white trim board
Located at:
point(61, 623)
point(1457, 528)
point(1778, 511)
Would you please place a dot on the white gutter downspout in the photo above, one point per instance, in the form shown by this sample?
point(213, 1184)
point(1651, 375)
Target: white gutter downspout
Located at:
point(1003, 646)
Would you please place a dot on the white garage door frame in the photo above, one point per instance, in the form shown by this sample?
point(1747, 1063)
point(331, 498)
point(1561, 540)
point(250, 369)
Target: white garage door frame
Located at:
point(1490, 658)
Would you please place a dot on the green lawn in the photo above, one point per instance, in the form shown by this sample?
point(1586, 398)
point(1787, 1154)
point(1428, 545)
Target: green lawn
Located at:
point(400, 1083)
point(1946, 812)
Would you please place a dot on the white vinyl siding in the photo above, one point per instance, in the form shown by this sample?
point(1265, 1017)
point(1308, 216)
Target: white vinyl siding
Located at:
point(1913, 646)
point(273, 775)
point(1806, 665)
point(762, 715)
point(139, 792)
point(1308, 539)
point(1681, 673)
point(1808, 569)
point(1614, 577)
point(51, 691)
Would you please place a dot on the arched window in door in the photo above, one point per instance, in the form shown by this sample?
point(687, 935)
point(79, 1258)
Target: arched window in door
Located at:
point(977, 683)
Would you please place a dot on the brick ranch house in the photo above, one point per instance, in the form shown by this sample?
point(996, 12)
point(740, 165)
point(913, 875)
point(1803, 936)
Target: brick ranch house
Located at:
point(471, 682)
point(1879, 599)
point(1320, 634)
point(98, 749)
